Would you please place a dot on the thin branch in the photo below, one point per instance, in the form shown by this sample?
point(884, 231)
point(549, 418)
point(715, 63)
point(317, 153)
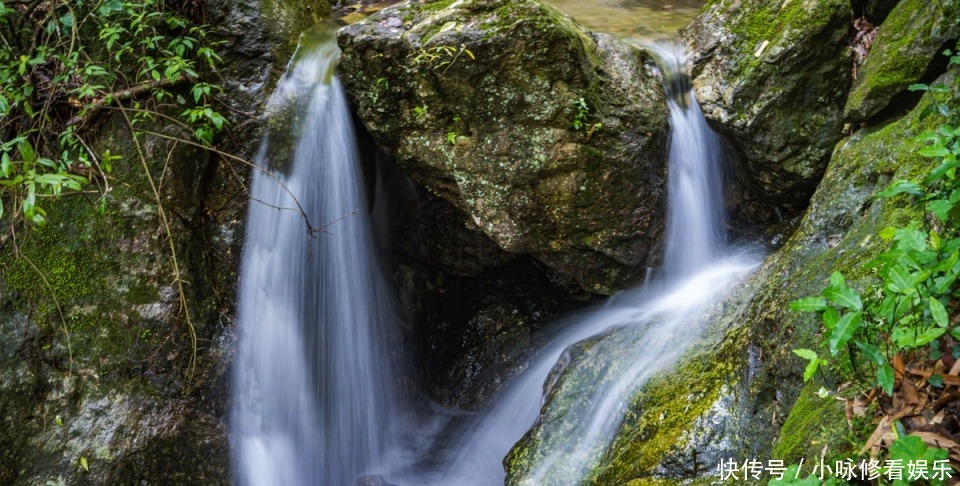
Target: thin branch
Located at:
point(170, 241)
point(123, 95)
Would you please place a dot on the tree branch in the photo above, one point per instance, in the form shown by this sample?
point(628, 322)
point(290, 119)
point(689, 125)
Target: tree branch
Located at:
point(123, 95)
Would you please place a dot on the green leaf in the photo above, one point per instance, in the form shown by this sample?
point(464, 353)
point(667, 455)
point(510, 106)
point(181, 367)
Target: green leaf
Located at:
point(939, 313)
point(911, 238)
point(807, 354)
point(830, 317)
point(936, 381)
point(26, 151)
point(885, 378)
point(934, 151)
point(836, 279)
point(900, 187)
point(844, 330)
point(83, 464)
point(927, 336)
point(844, 296)
point(811, 369)
point(887, 233)
point(900, 280)
point(872, 353)
point(809, 304)
point(940, 208)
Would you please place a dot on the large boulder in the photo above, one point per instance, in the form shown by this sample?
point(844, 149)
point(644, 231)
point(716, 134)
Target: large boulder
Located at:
point(905, 51)
point(548, 139)
point(738, 393)
point(772, 76)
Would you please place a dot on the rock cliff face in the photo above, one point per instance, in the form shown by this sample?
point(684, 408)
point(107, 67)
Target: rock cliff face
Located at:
point(772, 76)
point(96, 382)
point(547, 139)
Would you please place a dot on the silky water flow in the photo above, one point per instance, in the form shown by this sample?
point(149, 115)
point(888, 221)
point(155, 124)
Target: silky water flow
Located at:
point(316, 393)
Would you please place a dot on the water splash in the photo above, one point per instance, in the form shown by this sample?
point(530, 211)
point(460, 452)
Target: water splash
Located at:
point(315, 393)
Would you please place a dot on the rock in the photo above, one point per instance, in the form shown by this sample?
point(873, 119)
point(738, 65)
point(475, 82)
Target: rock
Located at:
point(739, 393)
point(772, 76)
point(907, 48)
point(476, 101)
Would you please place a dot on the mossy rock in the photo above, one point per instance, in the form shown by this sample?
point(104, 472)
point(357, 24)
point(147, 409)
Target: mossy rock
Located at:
point(815, 423)
point(907, 48)
point(772, 76)
point(476, 101)
point(738, 393)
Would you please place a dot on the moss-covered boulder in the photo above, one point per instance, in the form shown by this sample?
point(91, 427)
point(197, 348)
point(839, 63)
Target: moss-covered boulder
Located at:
point(548, 139)
point(905, 51)
point(772, 75)
point(738, 393)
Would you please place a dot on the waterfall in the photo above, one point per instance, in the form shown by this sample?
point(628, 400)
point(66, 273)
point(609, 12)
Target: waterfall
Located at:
point(657, 321)
point(315, 397)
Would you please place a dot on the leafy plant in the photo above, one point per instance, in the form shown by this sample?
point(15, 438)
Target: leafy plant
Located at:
point(900, 324)
point(420, 111)
point(580, 123)
point(54, 84)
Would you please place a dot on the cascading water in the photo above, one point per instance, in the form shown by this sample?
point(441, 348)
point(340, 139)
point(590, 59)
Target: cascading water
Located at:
point(315, 397)
point(656, 320)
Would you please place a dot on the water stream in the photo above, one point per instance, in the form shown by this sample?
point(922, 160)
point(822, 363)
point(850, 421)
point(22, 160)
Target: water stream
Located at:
point(660, 318)
point(317, 400)
point(316, 395)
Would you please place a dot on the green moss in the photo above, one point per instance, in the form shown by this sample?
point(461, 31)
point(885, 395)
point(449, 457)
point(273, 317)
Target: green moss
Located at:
point(814, 423)
point(906, 44)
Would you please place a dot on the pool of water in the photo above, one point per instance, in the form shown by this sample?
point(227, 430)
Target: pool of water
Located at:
point(641, 19)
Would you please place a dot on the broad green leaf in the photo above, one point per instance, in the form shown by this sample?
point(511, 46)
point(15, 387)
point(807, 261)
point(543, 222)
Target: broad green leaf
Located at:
point(807, 354)
point(939, 313)
point(836, 280)
point(940, 208)
point(911, 238)
point(808, 304)
point(872, 353)
point(929, 335)
point(844, 296)
point(900, 280)
point(830, 317)
point(885, 378)
point(811, 369)
point(901, 187)
point(844, 330)
point(934, 151)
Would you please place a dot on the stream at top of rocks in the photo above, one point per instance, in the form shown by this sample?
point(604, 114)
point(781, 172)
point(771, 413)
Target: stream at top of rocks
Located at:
point(641, 19)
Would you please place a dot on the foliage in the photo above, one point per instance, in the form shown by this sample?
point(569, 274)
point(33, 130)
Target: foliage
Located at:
point(580, 122)
point(909, 308)
point(903, 318)
point(54, 82)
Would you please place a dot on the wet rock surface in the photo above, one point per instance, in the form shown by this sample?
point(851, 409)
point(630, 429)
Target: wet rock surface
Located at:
point(478, 101)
